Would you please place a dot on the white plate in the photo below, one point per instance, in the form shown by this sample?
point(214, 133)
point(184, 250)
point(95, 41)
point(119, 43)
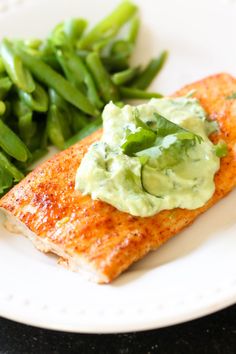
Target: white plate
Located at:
point(193, 274)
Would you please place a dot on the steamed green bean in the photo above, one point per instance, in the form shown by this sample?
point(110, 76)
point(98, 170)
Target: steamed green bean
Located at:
point(2, 108)
point(74, 29)
point(21, 76)
point(66, 127)
point(54, 128)
point(51, 78)
point(103, 80)
point(87, 130)
point(37, 100)
point(12, 144)
point(7, 112)
point(109, 25)
point(114, 63)
point(63, 106)
point(125, 76)
point(79, 119)
point(33, 43)
point(27, 128)
point(77, 72)
point(2, 67)
point(134, 29)
point(122, 48)
point(9, 166)
point(6, 180)
point(145, 78)
point(5, 86)
point(20, 108)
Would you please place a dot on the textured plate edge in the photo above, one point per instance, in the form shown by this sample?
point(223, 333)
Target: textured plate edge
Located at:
point(186, 316)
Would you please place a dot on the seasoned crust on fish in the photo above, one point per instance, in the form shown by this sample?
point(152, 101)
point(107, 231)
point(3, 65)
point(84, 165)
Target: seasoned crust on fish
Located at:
point(93, 236)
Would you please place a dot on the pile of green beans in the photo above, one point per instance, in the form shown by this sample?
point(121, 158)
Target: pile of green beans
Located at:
point(52, 91)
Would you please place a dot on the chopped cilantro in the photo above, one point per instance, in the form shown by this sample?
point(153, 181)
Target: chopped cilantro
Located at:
point(232, 96)
point(164, 141)
point(221, 149)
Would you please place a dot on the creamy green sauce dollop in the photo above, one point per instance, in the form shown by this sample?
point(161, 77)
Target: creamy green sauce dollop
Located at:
point(150, 180)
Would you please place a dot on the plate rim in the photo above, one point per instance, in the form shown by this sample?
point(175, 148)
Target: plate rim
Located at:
point(37, 320)
point(186, 317)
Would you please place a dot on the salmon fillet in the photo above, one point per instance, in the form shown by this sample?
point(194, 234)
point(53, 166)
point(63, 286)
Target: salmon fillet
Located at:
point(92, 236)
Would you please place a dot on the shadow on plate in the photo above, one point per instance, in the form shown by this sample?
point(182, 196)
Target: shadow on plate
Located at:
point(219, 218)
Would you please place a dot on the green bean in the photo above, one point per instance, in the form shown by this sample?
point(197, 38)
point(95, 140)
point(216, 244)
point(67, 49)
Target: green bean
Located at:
point(27, 127)
point(7, 112)
point(46, 47)
point(134, 29)
point(122, 47)
point(5, 162)
point(45, 55)
point(76, 71)
point(20, 108)
point(15, 68)
point(33, 43)
point(57, 100)
point(62, 112)
point(67, 33)
point(107, 89)
point(2, 108)
point(82, 53)
point(58, 37)
point(6, 180)
point(2, 67)
point(87, 130)
point(5, 86)
point(44, 137)
point(74, 79)
point(74, 118)
point(52, 61)
point(37, 100)
point(109, 25)
point(99, 45)
point(79, 119)
point(40, 138)
point(74, 28)
point(144, 79)
point(24, 44)
point(65, 126)
point(120, 104)
point(114, 63)
point(51, 78)
point(125, 76)
point(12, 144)
point(54, 129)
point(63, 106)
point(129, 92)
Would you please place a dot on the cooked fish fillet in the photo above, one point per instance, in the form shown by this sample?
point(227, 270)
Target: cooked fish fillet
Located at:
point(93, 237)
